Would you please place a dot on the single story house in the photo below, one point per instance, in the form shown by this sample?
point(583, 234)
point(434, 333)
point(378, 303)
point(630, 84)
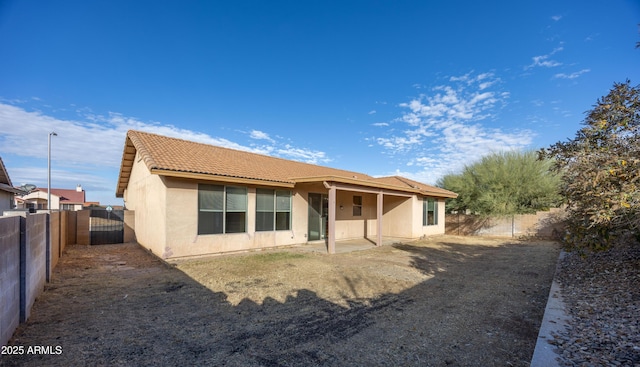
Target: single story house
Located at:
point(193, 199)
point(61, 199)
point(7, 191)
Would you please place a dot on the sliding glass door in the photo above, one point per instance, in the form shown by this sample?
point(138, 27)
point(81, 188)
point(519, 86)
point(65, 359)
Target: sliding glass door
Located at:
point(318, 209)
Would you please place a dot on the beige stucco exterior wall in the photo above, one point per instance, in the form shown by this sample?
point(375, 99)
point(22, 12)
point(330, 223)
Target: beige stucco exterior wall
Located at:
point(55, 202)
point(146, 196)
point(182, 239)
point(39, 197)
point(166, 217)
point(6, 201)
point(398, 217)
point(419, 230)
point(349, 226)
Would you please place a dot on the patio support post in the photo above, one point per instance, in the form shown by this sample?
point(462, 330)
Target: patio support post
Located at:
point(379, 217)
point(331, 242)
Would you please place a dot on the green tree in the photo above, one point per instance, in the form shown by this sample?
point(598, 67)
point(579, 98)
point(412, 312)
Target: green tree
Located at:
point(504, 184)
point(601, 171)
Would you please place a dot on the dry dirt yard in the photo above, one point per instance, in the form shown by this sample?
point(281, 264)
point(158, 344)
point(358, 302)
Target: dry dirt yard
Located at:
point(445, 301)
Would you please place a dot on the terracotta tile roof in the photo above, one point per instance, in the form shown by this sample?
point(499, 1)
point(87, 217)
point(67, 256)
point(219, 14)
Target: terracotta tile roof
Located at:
point(67, 196)
point(408, 183)
point(171, 156)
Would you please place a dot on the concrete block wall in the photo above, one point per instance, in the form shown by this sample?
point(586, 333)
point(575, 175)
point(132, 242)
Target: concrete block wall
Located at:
point(129, 226)
point(71, 227)
point(64, 217)
point(541, 224)
point(35, 261)
point(30, 247)
point(82, 231)
point(55, 219)
point(9, 276)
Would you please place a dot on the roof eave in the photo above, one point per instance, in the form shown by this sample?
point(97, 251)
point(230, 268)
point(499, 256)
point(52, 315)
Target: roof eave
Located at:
point(355, 181)
point(448, 195)
point(220, 178)
point(11, 189)
point(126, 165)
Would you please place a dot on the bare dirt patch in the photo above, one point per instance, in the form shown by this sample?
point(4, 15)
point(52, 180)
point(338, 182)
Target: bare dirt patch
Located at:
point(445, 301)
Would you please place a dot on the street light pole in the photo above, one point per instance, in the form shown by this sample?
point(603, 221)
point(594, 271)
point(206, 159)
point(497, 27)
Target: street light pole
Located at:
point(49, 172)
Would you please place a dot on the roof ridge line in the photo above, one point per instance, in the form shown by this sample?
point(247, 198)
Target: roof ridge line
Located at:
point(234, 150)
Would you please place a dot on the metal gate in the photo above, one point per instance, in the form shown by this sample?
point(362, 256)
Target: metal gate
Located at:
point(106, 226)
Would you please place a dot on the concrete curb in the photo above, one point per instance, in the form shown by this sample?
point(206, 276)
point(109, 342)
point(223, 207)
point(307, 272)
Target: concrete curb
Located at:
point(554, 320)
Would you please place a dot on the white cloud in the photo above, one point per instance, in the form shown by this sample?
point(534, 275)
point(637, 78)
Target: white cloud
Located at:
point(592, 37)
point(572, 75)
point(88, 150)
point(380, 124)
point(372, 112)
point(544, 61)
point(444, 129)
point(303, 155)
point(462, 78)
point(401, 143)
point(260, 135)
point(556, 17)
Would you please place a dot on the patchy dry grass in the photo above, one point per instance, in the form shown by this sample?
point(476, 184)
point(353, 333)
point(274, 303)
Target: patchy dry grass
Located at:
point(280, 274)
point(444, 301)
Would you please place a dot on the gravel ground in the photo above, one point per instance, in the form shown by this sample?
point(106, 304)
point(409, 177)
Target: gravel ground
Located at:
point(602, 296)
point(447, 301)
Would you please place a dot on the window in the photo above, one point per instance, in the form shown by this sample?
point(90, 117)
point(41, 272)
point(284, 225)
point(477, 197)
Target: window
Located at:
point(35, 206)
point(273, 210)
point(221, 209)
point(429, 212)
point(357, 206)
point(68, 207)
point(235, 210)
point(283, 210)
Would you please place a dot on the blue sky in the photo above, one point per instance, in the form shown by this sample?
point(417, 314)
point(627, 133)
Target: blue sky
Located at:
point(415, 88)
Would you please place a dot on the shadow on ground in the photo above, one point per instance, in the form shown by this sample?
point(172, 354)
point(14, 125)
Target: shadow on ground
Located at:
point(483, 307)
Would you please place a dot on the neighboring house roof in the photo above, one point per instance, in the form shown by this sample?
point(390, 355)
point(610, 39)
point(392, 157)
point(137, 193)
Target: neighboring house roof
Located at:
point(67, 196)
point(5, 181)
point(4, 176)
point(181, 158)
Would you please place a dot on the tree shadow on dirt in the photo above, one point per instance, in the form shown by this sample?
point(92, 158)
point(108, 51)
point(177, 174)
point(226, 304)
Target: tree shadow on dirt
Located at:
point(157, 315)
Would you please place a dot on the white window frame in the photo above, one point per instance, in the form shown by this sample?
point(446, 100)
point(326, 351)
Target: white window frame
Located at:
point(426, 210)
point(277, 207)
point(225, 210)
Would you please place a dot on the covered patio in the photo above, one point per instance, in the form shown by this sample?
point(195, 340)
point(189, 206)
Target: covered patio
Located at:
point(347, 212)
